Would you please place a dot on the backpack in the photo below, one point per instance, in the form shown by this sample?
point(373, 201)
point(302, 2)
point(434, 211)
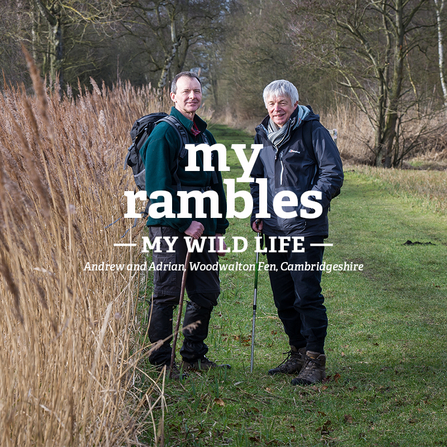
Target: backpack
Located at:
point(139, 133)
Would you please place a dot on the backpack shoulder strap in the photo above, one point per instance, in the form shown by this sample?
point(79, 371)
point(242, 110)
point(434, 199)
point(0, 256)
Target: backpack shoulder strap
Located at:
point(205, 138)
point(181, 131)
point(213, 173)
point(183, 136)
point(175, 123)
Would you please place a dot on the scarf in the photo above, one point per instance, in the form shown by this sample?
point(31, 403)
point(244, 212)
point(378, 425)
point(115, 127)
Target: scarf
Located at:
point(281, 135)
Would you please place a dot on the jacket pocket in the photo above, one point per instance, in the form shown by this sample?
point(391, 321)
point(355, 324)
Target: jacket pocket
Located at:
point(294, 224)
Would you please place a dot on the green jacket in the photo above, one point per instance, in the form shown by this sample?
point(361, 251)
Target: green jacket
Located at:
point(159, 154)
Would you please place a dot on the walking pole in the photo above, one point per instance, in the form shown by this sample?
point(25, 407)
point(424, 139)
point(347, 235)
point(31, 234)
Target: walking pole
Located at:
point(255, 298)
point(180, 306)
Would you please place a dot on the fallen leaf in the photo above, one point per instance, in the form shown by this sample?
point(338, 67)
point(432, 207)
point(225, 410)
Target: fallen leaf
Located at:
point(246, 341)
point(348, 419)
point(326, 428)
point(334, 378)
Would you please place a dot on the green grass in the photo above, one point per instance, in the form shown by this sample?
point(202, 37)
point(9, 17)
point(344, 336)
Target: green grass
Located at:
point(386, 344)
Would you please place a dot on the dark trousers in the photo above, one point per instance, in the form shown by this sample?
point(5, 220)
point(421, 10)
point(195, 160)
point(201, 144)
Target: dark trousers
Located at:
point(202, 287)
point(297, 295)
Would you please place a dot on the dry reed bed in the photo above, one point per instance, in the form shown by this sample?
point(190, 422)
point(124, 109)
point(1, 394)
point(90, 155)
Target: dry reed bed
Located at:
point(65, 366)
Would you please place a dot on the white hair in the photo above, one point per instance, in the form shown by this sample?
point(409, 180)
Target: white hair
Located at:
point(281, 88)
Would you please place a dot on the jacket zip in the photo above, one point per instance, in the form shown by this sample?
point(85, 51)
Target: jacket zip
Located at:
point(282, 172)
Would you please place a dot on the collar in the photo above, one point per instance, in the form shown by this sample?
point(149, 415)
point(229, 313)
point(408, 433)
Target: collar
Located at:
point(194, 127)
point(300, 114)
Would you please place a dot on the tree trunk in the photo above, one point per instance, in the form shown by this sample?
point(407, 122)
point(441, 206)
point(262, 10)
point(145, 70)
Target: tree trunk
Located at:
point(57, 53)
point(55, 42)
point(389, 133)
point(379, 130)
point(167, 67)
point(439, 7)
point(169, 58)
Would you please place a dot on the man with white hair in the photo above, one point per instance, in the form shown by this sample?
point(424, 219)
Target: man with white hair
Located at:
point(298, 155)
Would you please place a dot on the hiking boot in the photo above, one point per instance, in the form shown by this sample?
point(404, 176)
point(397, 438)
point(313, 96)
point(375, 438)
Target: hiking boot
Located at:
point(314, 370)
point(202, 364)
point(175, 373)
point(292, 364)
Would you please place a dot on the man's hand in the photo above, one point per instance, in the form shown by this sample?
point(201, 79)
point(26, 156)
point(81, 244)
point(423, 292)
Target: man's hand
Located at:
point(220, 245)
point(257, 225)
point(195, 230)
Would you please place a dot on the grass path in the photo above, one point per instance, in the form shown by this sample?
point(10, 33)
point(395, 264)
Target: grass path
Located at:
point(386, 345)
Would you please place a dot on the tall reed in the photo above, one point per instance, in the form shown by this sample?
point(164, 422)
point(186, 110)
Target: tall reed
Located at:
point(69, 354)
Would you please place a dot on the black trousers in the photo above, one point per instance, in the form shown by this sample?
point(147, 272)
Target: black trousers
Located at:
point(202, 287)
point(297, 294)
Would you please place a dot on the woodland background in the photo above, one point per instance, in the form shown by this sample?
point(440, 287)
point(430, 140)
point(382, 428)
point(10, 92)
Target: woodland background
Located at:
point(373, 69)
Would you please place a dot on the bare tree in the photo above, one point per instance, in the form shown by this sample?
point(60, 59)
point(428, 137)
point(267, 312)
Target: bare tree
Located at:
point(166, 30)
point(51, 21)
point(368, 43)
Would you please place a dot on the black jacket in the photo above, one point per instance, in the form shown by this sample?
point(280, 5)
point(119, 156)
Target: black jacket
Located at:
point(296, 167)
